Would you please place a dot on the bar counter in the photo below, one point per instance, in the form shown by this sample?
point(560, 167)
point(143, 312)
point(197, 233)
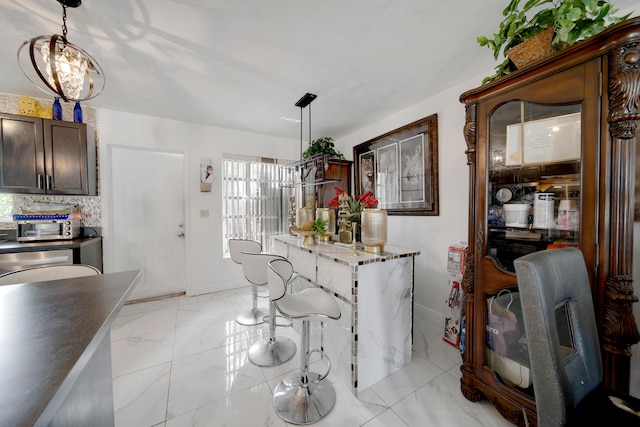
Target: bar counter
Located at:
point(372, 339)
point(56, 350)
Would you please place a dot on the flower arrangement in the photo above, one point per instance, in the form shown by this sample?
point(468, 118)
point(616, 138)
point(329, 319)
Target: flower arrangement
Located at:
point(350, 208)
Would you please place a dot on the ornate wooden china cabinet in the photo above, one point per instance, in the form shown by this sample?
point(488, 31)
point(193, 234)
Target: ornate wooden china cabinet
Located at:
point(551, 151)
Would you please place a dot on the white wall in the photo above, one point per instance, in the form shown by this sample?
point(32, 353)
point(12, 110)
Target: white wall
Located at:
point(432, 235)
point(207, 271)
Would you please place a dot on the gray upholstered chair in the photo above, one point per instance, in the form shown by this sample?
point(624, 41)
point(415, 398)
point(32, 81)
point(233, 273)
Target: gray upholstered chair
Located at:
point(564, 349)
point(255, 316)
point(303, 397)
point(270, 351)
point(53, 272)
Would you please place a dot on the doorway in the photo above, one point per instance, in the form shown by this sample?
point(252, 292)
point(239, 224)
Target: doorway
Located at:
point(147, 219)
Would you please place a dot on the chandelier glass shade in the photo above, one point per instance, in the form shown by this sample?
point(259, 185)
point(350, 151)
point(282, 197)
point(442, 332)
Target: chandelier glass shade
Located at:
point(59, 67)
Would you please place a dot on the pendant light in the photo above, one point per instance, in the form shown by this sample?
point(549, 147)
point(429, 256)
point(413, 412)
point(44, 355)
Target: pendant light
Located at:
point(303, 102)
point(59, 67)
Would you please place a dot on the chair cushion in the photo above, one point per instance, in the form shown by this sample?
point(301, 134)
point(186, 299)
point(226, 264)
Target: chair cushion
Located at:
point(597, 409)
point(308, 303)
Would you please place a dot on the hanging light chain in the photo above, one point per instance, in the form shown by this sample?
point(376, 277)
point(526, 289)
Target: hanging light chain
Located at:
point(64, 21)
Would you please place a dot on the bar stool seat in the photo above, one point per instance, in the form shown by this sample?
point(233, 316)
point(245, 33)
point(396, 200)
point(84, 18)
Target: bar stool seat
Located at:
point(303, 397)
point(310, 303)
point(273, 350)
point(255, 316)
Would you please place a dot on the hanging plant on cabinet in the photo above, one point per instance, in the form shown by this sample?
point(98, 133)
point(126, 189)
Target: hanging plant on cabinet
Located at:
point(322, 145)
point(566, 21)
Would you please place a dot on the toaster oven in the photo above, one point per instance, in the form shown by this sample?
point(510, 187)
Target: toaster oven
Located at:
point(49, 229)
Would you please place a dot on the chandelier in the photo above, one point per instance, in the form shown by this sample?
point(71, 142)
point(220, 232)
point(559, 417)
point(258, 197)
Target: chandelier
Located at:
point(57, 66)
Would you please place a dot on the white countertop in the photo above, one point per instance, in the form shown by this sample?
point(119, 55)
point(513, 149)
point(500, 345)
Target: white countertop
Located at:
point(342, 253)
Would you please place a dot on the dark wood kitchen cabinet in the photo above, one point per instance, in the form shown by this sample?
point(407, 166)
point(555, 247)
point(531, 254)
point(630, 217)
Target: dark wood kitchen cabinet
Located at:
point(559, 138)
point(41, 156)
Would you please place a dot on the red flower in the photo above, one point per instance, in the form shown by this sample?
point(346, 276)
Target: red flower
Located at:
point(368, 200)
point(355, 204)
point(334, 203)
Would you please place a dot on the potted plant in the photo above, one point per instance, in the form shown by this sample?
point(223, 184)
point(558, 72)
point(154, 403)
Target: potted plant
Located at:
point(569, 20)
point(320, 226)
point(321, 145)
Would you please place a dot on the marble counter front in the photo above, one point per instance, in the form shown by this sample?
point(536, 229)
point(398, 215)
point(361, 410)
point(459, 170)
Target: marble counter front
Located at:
point(372, 339)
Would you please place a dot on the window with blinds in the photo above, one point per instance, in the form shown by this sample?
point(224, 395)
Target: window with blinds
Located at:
point(254, 205)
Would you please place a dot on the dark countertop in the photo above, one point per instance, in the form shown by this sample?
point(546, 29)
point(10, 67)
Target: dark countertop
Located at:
point(12, 246)
point(48, 330)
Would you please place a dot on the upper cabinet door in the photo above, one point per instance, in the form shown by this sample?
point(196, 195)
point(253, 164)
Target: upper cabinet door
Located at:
point(21, 154)
point(41, 156)
point(65, 147)
point(542, 157)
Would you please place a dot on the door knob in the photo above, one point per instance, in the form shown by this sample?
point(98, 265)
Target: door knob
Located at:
point(180, 234)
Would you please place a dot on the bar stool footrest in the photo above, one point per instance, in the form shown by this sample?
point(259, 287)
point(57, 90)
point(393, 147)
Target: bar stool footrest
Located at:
point(324, 357)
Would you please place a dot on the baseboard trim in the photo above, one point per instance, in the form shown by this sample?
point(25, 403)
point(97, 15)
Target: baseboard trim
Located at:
point(158, 298)
point(428, 314)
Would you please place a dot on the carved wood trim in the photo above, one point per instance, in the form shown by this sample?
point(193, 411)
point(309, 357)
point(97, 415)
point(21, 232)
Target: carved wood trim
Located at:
point(470, 393)
point(624, 91)
point(619, 331)
point(514, 417)
point(469, 269)
point(470, 133)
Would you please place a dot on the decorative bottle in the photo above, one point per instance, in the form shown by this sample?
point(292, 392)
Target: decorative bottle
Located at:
point(77, 113)
point(56, 110)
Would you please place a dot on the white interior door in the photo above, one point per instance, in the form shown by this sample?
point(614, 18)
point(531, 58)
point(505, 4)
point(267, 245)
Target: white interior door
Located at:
point(147, 194)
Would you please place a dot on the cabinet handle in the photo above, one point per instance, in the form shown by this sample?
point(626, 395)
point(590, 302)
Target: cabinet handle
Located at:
point(49, 182)
point(40, 183)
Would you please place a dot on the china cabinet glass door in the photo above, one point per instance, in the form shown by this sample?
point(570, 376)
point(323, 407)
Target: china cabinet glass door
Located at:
point(534, 180)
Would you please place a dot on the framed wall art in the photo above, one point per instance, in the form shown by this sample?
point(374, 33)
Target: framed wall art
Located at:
point(401, 168)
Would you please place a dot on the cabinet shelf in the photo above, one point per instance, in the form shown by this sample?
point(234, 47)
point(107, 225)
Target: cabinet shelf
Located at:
point(315, 170)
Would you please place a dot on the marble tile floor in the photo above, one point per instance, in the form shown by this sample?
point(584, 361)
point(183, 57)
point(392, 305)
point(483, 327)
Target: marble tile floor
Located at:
point(183, 362)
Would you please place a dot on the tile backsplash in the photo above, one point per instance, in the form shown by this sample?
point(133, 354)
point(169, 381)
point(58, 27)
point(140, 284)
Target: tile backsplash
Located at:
point(90, 206)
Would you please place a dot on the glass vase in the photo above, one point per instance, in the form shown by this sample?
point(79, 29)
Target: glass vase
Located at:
point(344, 234)
point(302, 215)
point(374, 229)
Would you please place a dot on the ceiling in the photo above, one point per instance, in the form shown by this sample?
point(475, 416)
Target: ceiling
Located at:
point(244, 64)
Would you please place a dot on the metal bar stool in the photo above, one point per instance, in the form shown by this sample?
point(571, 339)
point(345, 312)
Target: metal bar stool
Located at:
point(271, 351)
point(303, 397)
point(255, 316)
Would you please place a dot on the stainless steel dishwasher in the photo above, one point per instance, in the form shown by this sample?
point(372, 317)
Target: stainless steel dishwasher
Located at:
point(20, 260)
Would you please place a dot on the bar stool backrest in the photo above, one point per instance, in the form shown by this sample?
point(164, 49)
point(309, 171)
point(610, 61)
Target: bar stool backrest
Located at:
point(255, 265)
point(53, 272)
point(238, 246)
point(279, 273)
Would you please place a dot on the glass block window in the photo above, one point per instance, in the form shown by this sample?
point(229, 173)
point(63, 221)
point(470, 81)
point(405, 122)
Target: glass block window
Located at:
point(254, 203)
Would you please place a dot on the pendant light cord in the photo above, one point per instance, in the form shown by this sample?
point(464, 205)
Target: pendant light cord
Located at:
point(64, 21)
point(309, 124)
